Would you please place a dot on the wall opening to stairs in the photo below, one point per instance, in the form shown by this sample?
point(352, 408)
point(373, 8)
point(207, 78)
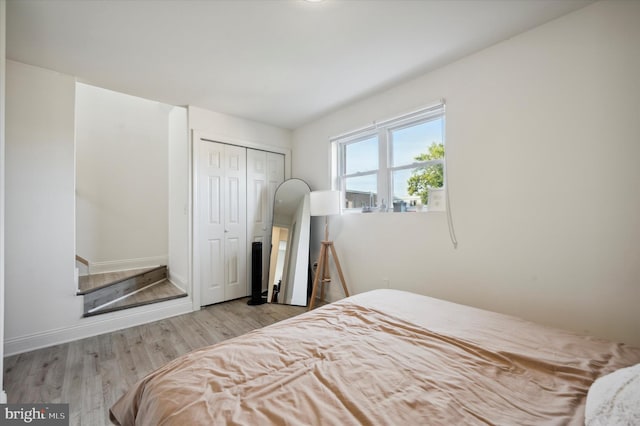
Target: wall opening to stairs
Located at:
point(131, 183)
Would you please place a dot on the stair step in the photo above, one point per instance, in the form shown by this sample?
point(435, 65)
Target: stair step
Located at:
point(127, 283)
point(90, 283)
point(153, 293)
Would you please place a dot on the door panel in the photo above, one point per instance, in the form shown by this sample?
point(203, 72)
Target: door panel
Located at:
point(236, 223)
point(211, 224)
point(214, 279)
point(232, 252)
point(213, 201)
point(233, 207)
point(256, 204)
point(265, 171)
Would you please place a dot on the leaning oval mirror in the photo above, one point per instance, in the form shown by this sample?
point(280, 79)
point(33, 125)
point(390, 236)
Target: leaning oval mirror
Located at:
point(289, 259)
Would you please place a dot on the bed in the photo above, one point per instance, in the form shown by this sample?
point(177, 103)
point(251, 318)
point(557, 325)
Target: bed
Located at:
point(383, 357)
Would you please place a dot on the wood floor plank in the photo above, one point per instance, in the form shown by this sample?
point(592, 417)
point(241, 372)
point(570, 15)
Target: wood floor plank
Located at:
point(113, 387)
point(216, 325)
point(92, 401)
point(72, 386)
point(91, 374)
point(127, 370)
point(17, 366)
point(159, 346)
point(51, 374)
point(200, 338)
point(140, 361)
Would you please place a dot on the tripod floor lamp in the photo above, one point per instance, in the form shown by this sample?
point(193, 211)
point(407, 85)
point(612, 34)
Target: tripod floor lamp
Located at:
point(325, 203)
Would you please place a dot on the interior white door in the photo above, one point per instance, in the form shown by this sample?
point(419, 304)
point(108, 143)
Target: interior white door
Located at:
point(222, 212)
point(257, 215)
point(265, 171)
point(211, 212)
point(235, 227)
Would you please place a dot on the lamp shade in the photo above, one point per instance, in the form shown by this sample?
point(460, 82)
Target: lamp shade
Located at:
point(324, 203)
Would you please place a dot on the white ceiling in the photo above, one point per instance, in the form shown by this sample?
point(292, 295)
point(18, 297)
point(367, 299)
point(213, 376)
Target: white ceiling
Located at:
point(282, 62)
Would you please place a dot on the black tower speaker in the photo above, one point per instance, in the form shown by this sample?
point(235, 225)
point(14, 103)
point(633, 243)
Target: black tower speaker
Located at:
point(256, 275)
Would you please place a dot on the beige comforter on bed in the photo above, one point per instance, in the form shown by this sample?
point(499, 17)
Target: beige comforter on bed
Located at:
point(380, 358)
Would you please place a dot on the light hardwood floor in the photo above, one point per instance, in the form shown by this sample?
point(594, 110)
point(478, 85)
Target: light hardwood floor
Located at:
point(91, 374)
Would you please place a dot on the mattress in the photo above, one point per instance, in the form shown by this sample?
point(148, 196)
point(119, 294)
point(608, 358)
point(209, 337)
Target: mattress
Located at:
point(384, 357)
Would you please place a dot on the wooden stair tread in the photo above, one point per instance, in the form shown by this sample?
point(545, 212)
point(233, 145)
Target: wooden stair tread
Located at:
point(124, 289)
point(90, 283)
point(154, 293)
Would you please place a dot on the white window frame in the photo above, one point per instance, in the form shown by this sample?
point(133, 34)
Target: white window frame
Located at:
point(383, 130)
point(343, 176)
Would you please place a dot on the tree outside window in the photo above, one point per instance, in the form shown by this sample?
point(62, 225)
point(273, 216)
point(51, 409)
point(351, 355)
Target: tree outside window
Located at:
point(425, 178)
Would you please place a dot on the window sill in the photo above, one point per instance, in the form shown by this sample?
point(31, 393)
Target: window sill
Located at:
point(376, 211)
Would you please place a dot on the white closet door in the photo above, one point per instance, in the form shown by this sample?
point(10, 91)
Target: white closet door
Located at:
point(223, 233)
point(211, 240)
point(257, 203)
point(235, 222)
point(265, 171)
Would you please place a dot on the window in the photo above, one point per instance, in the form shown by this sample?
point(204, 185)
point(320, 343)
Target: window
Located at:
point(394, 165)
point(360, 171)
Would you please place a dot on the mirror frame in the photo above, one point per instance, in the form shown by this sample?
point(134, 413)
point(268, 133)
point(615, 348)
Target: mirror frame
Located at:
point(288, 278)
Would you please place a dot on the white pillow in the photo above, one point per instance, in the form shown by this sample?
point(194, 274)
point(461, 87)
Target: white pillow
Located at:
point(614, 399)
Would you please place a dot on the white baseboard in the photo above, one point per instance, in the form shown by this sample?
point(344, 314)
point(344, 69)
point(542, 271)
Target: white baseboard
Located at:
point(82, 269)
point(178, 281)
point(99, 325)
point(124, 264)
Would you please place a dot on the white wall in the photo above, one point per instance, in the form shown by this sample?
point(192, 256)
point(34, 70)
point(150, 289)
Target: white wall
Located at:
point(42, 308)
point(178, 197)
point(543, 136)
point(122, 179)
point(239, 131)
point(40, 202)
point(230, 128)
point(3, 39)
